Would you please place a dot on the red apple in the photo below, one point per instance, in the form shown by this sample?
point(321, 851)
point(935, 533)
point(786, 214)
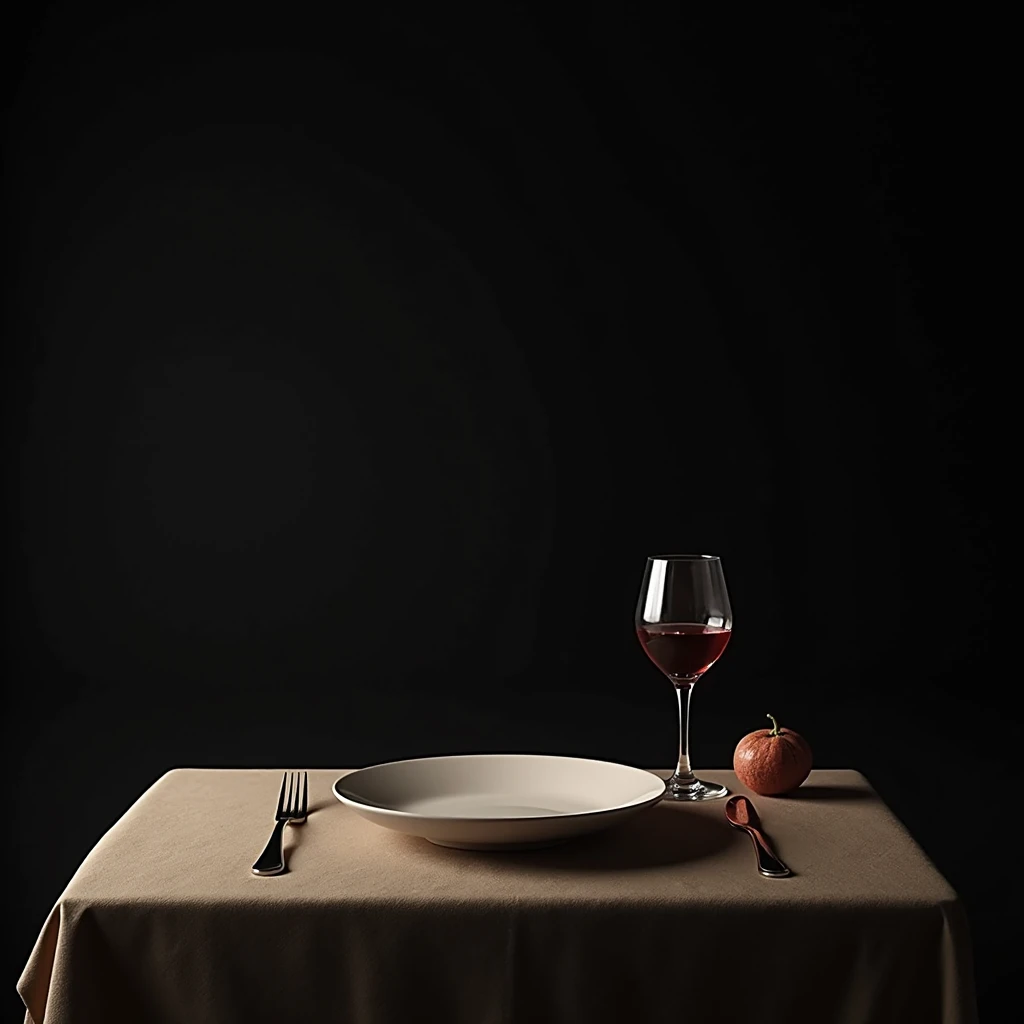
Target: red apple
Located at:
point(772, 761)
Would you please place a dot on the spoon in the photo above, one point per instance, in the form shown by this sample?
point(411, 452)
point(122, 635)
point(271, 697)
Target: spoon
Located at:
point(741, 814)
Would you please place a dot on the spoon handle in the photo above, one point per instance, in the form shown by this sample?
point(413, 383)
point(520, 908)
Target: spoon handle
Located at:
point(768, 863)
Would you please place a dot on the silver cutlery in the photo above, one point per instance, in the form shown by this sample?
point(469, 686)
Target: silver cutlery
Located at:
point(291, 809)
point(742, 815)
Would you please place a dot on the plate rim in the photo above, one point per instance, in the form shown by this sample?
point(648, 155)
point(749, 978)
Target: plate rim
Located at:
point(415, 816)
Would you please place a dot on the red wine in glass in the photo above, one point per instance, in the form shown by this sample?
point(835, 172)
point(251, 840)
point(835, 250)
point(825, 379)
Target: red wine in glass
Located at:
point(683, 650)
point(684, 623)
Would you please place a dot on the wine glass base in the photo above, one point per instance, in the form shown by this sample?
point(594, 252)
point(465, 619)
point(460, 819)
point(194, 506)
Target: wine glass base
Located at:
point(695, 790)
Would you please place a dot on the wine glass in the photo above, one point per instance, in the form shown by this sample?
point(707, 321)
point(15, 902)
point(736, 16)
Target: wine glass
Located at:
point(684, 622)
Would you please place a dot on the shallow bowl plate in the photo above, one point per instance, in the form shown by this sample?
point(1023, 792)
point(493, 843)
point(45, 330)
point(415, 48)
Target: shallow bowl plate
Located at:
point(498, 801)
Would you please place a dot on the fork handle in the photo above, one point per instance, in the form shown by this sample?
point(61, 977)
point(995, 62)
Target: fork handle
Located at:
point(271, 860)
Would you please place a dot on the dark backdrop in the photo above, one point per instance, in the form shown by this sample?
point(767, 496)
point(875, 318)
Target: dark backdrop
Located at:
point(355, 362)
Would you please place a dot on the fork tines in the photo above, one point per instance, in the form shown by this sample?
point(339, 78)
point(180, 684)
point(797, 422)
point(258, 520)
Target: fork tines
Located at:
point(291, 804)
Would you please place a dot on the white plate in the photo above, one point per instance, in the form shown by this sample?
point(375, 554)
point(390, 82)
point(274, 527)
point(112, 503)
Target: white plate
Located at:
point(498, 801)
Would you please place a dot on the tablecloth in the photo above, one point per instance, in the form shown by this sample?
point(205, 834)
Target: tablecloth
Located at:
point(661, 919)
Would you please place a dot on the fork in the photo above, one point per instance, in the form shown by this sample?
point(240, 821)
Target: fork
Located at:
point(271, 860)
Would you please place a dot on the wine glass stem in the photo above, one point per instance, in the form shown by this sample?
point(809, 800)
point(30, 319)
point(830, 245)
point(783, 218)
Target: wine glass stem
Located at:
point(683, 775)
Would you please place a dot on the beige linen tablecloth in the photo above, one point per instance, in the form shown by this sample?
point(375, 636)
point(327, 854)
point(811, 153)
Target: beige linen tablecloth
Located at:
point(664, 919)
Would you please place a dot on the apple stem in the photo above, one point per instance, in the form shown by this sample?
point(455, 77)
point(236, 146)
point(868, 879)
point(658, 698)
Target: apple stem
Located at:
point(776, 731)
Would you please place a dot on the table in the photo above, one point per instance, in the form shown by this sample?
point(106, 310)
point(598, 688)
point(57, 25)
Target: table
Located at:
point(663, 919)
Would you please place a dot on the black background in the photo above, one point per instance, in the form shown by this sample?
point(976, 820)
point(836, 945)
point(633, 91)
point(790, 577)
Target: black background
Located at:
point(356, 360)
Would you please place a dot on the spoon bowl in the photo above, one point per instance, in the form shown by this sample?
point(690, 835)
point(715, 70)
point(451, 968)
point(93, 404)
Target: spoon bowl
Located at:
point(741, 813)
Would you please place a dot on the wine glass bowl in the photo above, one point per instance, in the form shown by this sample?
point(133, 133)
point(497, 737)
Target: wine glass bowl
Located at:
point(684, 623)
